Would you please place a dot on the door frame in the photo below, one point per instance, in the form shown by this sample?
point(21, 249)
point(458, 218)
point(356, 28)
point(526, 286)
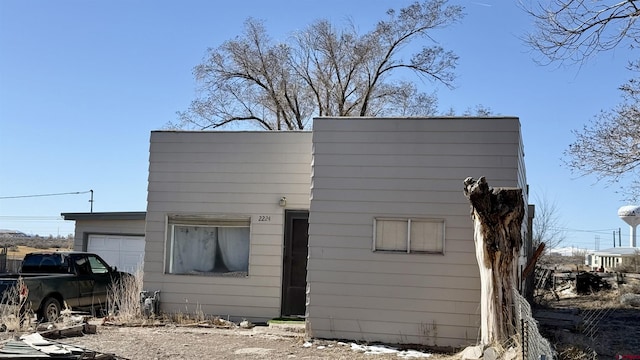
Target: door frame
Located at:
point(289, 217)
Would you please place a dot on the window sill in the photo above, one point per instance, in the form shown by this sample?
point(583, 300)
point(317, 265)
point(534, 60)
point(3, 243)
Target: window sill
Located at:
point(233, 274)
point(409, 253)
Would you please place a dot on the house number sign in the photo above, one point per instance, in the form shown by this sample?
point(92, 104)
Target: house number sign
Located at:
point(264, 218)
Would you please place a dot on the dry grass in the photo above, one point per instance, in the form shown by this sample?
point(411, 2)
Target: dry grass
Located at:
point(123, 300)
point(18, 252)
point(125, 306)
point(12, 316)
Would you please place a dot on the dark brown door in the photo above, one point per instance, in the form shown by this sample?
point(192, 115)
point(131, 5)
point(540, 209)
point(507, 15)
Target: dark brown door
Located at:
point(294, 285)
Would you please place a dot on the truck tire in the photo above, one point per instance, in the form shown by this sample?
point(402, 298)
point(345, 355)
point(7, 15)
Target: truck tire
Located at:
point(50, 310)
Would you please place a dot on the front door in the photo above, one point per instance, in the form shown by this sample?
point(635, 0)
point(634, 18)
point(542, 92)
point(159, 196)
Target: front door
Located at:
point(294, 279)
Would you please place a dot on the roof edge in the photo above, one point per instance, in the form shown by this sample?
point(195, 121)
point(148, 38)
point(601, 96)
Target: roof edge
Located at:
point(118, 215)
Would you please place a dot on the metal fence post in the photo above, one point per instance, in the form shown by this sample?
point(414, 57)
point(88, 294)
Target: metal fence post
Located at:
point(524, 340)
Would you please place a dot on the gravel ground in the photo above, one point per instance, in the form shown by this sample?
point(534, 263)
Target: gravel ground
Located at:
point(177, 342)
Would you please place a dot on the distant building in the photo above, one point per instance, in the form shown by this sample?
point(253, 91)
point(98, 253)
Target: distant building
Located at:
point(610, 259)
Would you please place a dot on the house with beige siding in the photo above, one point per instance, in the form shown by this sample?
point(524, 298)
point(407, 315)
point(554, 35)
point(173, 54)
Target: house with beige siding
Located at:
point(226, 222)
point(391, 250)
point(360, 226)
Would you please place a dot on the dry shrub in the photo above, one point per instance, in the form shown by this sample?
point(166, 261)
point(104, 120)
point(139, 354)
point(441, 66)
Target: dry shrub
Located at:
point(123, 300)
point(13, 316)
point(602, 300)
point(631, 286)
point(574, 352)
point(187, 317)
point(196, 316)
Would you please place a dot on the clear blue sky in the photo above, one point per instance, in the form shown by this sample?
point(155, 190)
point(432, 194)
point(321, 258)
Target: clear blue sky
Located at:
point(82, 84)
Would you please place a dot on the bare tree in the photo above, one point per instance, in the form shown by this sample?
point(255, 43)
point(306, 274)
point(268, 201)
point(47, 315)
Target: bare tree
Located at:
point(609, 147)
point(478, 110)
point(547, 225)
point(574, 30)
point(322, 71)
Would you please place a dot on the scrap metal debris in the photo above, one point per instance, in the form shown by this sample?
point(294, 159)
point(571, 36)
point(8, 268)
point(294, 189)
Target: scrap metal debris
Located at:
point(35, 347)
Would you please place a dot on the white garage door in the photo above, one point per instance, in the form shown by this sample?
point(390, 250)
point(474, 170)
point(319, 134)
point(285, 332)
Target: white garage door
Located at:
point(125, 252)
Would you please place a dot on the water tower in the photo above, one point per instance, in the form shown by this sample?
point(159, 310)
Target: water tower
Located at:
point(631, 215)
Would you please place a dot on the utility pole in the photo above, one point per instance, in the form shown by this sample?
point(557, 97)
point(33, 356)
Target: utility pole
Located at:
point(620, 238)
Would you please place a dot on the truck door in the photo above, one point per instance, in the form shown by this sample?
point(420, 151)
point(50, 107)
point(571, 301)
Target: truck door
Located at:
point(102, 277)
point(84, 280)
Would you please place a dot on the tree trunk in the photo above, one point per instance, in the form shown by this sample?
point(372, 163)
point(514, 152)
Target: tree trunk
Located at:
point(497, 216)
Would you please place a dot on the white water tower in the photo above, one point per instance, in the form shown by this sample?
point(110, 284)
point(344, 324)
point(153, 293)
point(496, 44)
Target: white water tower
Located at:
point(631, 215)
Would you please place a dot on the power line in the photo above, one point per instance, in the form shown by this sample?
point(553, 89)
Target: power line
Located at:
point(31, 218)
point(595, 231)
point(42, 195)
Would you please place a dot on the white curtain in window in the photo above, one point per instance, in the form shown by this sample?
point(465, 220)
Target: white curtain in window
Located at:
point(194, 249)
point(234, 247)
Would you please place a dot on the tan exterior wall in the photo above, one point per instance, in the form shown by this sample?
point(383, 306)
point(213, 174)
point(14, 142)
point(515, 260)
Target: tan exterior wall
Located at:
point(368, 168)
point(84, 228)
point(228, 174)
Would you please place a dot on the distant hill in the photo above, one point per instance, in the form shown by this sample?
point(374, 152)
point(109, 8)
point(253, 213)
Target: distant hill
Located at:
point(12, 234)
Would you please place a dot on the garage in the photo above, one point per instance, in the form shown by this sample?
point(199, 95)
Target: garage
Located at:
point(118, 237)
point(124, 252)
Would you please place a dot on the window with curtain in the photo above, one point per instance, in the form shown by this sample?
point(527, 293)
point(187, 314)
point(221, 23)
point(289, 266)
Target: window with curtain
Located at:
point(409, 235)
point(205, 246)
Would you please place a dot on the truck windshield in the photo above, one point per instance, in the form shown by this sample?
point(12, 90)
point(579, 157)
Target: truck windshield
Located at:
point(43, 263)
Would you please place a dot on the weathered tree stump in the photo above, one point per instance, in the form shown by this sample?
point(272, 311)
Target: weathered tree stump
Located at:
point(497, 215)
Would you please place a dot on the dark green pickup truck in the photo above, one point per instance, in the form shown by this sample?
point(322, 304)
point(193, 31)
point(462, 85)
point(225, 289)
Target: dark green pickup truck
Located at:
point(51, 279)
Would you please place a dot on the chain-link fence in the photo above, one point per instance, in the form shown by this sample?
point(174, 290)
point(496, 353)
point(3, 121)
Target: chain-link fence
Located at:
point(533, 345)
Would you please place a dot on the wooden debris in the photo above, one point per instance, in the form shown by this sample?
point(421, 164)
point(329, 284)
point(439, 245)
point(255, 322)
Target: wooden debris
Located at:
point(71, 331)
point(587, 283)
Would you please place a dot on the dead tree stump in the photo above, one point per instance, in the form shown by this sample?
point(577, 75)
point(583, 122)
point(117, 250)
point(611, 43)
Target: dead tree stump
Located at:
point(497, 215)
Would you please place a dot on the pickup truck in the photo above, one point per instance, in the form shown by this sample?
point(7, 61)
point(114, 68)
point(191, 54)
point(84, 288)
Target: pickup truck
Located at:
point(51, 279)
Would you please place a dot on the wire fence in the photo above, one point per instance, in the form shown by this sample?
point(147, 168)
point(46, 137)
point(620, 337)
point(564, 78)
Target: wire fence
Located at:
point(533, 345)
point(591, 326)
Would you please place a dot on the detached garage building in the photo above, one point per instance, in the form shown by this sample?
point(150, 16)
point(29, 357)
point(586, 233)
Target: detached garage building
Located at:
point(117, 237)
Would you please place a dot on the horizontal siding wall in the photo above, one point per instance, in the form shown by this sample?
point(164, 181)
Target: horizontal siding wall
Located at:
point(525, 251)
point(368, 168)
point(225, 173)
point(84, 228)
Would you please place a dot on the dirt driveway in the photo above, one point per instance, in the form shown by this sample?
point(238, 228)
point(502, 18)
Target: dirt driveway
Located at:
point(175, 342)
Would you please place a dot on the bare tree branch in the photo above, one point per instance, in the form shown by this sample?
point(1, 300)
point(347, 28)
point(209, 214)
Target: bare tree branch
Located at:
point(547, 225)
point(609, 146)
point(322, 71)
point(574, 30)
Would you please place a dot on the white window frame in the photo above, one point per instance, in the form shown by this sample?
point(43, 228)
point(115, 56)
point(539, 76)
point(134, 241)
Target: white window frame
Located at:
point(226, 221)
point(409, 221)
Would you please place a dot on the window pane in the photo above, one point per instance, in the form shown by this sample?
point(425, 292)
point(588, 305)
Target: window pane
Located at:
point(234, 248)
point(391, 235)
point(97, 267)
point(194, 249)
point(210, 249)
point(427, 236)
